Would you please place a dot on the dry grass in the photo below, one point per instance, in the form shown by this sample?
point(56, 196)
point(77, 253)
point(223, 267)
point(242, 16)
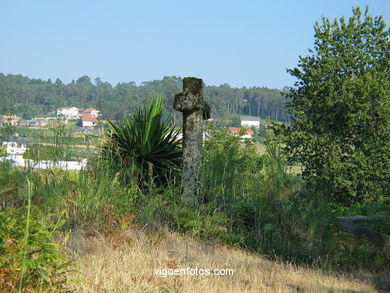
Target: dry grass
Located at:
point(125, 262)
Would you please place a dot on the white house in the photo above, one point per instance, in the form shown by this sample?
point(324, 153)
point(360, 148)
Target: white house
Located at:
point(250, 121)
point(68, 112)
point(88, 120)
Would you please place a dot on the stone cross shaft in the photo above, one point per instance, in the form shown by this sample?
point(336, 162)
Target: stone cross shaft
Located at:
point(195, 110)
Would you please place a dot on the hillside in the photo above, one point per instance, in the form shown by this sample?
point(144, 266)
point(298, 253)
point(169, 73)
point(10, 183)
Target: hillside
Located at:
point(29, 97)
point(126, 261)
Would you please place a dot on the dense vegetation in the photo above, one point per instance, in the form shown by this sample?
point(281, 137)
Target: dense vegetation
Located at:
point(248, 201)
point(32, 97)
point(340, 131)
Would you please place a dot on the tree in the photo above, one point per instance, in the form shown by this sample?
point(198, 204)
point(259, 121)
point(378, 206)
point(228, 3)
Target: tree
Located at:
point(340, 106)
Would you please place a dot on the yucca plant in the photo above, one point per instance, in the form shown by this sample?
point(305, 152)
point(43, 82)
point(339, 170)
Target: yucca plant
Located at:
point(144, 148)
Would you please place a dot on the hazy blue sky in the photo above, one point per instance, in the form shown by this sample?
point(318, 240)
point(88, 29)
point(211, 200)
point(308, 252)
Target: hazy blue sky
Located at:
point(242, 42)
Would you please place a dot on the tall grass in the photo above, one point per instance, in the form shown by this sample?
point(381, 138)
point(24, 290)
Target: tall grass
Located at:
point(30, 259)
point(26, 236)
point(230, 171)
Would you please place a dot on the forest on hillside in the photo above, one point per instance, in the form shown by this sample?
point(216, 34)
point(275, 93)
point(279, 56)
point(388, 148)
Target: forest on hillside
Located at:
point(29, 97)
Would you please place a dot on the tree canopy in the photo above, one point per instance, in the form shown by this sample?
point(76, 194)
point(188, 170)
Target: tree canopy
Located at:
point(31, 97)
point(340, 109)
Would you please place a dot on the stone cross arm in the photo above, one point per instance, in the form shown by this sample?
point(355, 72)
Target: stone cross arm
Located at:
point(191, 99)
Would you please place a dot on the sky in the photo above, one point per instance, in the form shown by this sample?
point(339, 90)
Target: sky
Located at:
point(242, 42)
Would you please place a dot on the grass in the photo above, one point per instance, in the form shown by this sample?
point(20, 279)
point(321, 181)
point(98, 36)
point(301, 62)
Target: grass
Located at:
point(118, 232)
point(105, 266)
point(262, 150)
point(73, 145)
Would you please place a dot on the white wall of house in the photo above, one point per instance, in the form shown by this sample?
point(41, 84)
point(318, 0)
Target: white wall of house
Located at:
point(249, 124)
point(246, 136)
point(88, 123)
point(68, 112)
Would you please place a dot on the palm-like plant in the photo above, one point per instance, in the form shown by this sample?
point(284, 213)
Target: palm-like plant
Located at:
point(144, 147)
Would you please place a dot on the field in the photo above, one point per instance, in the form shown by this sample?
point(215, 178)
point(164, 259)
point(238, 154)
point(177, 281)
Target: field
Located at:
point(93, 231)
point(75, 144)
point(125, 262)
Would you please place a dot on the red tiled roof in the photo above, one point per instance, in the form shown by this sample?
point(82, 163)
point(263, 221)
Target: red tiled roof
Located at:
point(89, 110)
point(89, 117)
point(236, 130)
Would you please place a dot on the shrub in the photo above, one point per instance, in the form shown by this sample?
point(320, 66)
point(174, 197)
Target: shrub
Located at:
point(144, 147)
point(340, 130)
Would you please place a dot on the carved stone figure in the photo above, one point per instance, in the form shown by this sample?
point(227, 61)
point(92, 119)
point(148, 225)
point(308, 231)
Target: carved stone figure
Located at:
point(195, 110)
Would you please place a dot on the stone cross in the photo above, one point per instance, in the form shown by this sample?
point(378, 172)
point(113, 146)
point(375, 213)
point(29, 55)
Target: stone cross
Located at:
point(195, 110)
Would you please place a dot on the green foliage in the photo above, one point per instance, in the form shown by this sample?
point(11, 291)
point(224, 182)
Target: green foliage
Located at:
point(3, 151)
point(30, 259)
point(144, 147)
point(57, 148)
point(340, 131)
point(250, 201)
point(38, 152)
point(231, 169)
point(277, 182)
point(6, 131)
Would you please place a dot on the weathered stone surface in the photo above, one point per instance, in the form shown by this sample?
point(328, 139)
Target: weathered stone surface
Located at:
point(195, 110)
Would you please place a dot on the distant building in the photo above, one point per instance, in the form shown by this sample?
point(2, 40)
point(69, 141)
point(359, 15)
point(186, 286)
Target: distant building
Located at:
point(250, 121)
point(25, 123)
point(69, 112)
point(236, 131)
point(88, 120)
point(38, 122)
point(92, 111)
point(11, 120)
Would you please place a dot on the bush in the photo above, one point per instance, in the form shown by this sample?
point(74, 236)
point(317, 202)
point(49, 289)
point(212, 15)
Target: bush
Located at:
point(143, 148)
point(340, 130)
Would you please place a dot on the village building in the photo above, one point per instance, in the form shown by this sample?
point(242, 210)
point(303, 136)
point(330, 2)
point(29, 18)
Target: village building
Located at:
point(69, 112)
point(250, 121)
point(237, 130)
point(38, 122)
point(91, 111)
point(88, 120)
point(89, 117)
point(11, 120)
